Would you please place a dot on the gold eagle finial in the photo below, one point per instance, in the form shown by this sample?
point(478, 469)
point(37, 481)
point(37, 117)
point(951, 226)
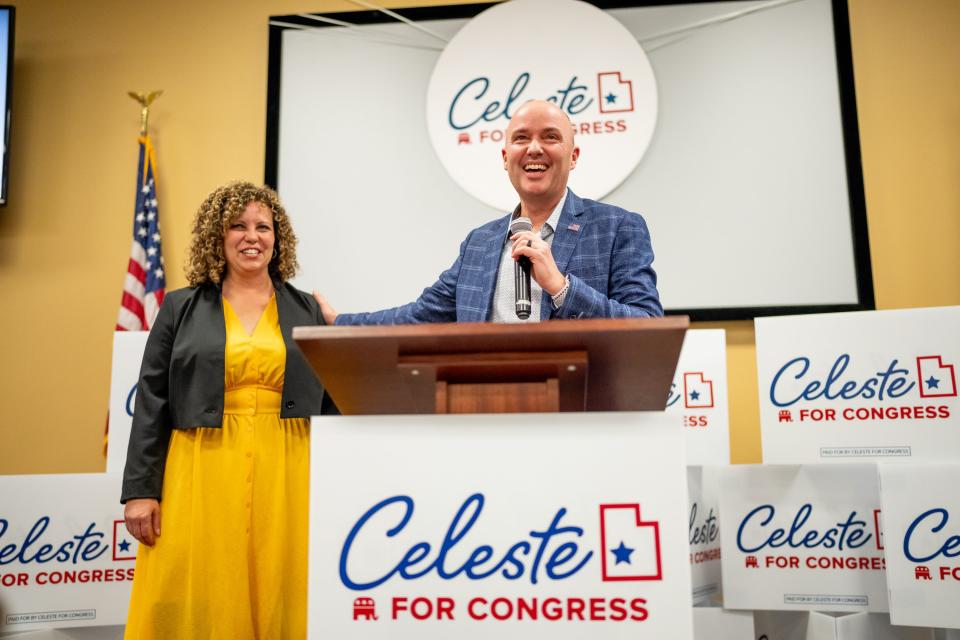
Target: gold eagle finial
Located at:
point(145, 100)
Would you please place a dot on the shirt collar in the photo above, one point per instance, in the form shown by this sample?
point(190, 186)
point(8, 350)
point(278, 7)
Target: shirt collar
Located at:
point(554, 218)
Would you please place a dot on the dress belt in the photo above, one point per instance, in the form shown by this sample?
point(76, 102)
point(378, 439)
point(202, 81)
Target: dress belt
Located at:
point(250, 400)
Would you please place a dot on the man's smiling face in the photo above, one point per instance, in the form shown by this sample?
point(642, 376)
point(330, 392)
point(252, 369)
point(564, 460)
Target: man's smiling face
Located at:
point(539, 152)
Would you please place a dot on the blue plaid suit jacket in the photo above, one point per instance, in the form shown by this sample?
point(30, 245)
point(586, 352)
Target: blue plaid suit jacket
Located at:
point(605, 250)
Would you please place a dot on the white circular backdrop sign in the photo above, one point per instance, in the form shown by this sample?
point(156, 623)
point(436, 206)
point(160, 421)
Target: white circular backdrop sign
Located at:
point(564, 51)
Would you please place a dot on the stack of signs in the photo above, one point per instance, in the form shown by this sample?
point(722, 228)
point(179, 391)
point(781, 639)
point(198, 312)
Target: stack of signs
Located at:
point(921, 521)
point(877, 387)
point(714, 623)
point(867, 386)
point(783, 625)
point(66, 559)
point(698, 402)
point(802, 537)
point(698, 396)
point(508, 526)
point(703, 488)
point(876, 626)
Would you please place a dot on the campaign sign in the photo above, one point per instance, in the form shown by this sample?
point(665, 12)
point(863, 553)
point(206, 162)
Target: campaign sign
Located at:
point(802, 537)
point(66, 559)
point(698, 396)
point(784, 625)
point(128, 349)
point(873, 385)
point(921, 523)
point(876, 626)
point(703, 487)
point(607, 90)
point(714, 623)
point(508, 526)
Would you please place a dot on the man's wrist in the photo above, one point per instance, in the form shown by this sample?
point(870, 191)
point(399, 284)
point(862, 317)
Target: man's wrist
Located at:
point(560, 296)
point(559, 283)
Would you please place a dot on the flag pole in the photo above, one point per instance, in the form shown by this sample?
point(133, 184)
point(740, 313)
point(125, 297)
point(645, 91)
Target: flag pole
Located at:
point(145, 100)
point(145, 284)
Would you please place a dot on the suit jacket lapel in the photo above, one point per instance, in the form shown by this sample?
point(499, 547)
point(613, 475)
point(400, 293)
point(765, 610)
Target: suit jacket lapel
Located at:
point(566, 236)
point(568, 232)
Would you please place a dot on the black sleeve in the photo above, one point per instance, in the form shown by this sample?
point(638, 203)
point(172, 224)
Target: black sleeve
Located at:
point(151, 428)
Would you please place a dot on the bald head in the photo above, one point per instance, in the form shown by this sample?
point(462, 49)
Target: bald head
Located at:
point(546, 107)
point(539, 153)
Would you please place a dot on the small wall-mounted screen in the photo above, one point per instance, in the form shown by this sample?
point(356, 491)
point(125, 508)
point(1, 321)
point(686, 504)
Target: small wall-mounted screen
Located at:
point(6, 65)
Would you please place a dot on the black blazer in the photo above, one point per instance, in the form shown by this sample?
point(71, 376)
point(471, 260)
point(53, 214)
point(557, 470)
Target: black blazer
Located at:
point(181, 377)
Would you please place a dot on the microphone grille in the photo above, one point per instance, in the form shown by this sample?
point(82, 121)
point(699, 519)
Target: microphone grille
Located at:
point(522, 223)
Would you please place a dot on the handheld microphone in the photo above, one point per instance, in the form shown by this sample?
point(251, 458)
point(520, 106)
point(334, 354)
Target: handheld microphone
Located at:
point(521, 271)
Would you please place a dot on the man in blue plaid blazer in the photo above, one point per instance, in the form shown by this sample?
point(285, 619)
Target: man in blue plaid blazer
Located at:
point(588, 259)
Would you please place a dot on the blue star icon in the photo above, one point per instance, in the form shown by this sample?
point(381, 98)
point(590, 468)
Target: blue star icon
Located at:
point(932, 383)
point(611, 98)
point(124, 546)
point(622, 553)
point(694, 395)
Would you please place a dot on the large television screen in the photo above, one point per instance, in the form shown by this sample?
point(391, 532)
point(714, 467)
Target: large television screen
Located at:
point(6, 75)
point(751, 185)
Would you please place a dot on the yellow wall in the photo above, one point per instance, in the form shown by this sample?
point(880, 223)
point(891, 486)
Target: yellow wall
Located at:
point(64, 237)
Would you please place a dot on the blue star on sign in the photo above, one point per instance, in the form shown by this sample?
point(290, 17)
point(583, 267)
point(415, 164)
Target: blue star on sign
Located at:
point(932, 383)
point(124, 546)
point(622, 553)
point(611, 98)
point(694, 395)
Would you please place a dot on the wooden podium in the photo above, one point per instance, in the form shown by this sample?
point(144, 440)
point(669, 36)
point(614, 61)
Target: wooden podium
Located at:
point(564, 365)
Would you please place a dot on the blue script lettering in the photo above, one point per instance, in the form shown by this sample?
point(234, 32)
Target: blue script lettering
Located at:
point(753, 535)
point(938, 520)
point(471, 106)
point(414, 563)
point(892, 383)
point(577, 97)
point(86, 546)
point(705, 532)
point(672, 397)
point(130, 397)
point(492, 110)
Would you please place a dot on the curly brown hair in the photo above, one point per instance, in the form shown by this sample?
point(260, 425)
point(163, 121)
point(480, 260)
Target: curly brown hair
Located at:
point(205, 259)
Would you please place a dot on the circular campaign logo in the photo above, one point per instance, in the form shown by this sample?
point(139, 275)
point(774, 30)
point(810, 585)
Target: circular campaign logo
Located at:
point(564, 51)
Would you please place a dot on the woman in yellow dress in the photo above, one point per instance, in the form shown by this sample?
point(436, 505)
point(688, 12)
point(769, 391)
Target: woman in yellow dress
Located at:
point(216, 481)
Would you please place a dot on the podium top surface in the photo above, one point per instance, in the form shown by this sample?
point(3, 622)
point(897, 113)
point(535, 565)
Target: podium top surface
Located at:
point(631, 360)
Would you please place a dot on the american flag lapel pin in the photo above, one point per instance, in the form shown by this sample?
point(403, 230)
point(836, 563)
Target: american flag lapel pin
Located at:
point(573, 227)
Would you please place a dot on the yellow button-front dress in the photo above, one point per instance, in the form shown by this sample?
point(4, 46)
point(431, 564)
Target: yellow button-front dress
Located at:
point(231, 559)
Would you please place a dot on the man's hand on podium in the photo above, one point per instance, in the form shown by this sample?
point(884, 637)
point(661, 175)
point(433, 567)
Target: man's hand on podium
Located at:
point(142, 516)
point(329, 313)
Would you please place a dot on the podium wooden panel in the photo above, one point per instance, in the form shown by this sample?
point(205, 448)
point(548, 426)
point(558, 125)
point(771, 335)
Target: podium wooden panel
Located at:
point(621, 364)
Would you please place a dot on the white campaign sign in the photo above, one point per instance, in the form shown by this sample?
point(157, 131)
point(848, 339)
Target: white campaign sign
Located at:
point(566, 51)
point(792, 625)
point(703, 487)
point(127, 353)
point(921, 524)
point(714, 623)
point(509, 526)
point(802, 537)
point(698, 396)
point(784, 625)
point(66, 559)
point(876, 626)
point(860, 386)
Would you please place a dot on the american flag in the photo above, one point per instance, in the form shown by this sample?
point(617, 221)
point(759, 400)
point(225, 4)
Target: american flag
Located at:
point(144, 284)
